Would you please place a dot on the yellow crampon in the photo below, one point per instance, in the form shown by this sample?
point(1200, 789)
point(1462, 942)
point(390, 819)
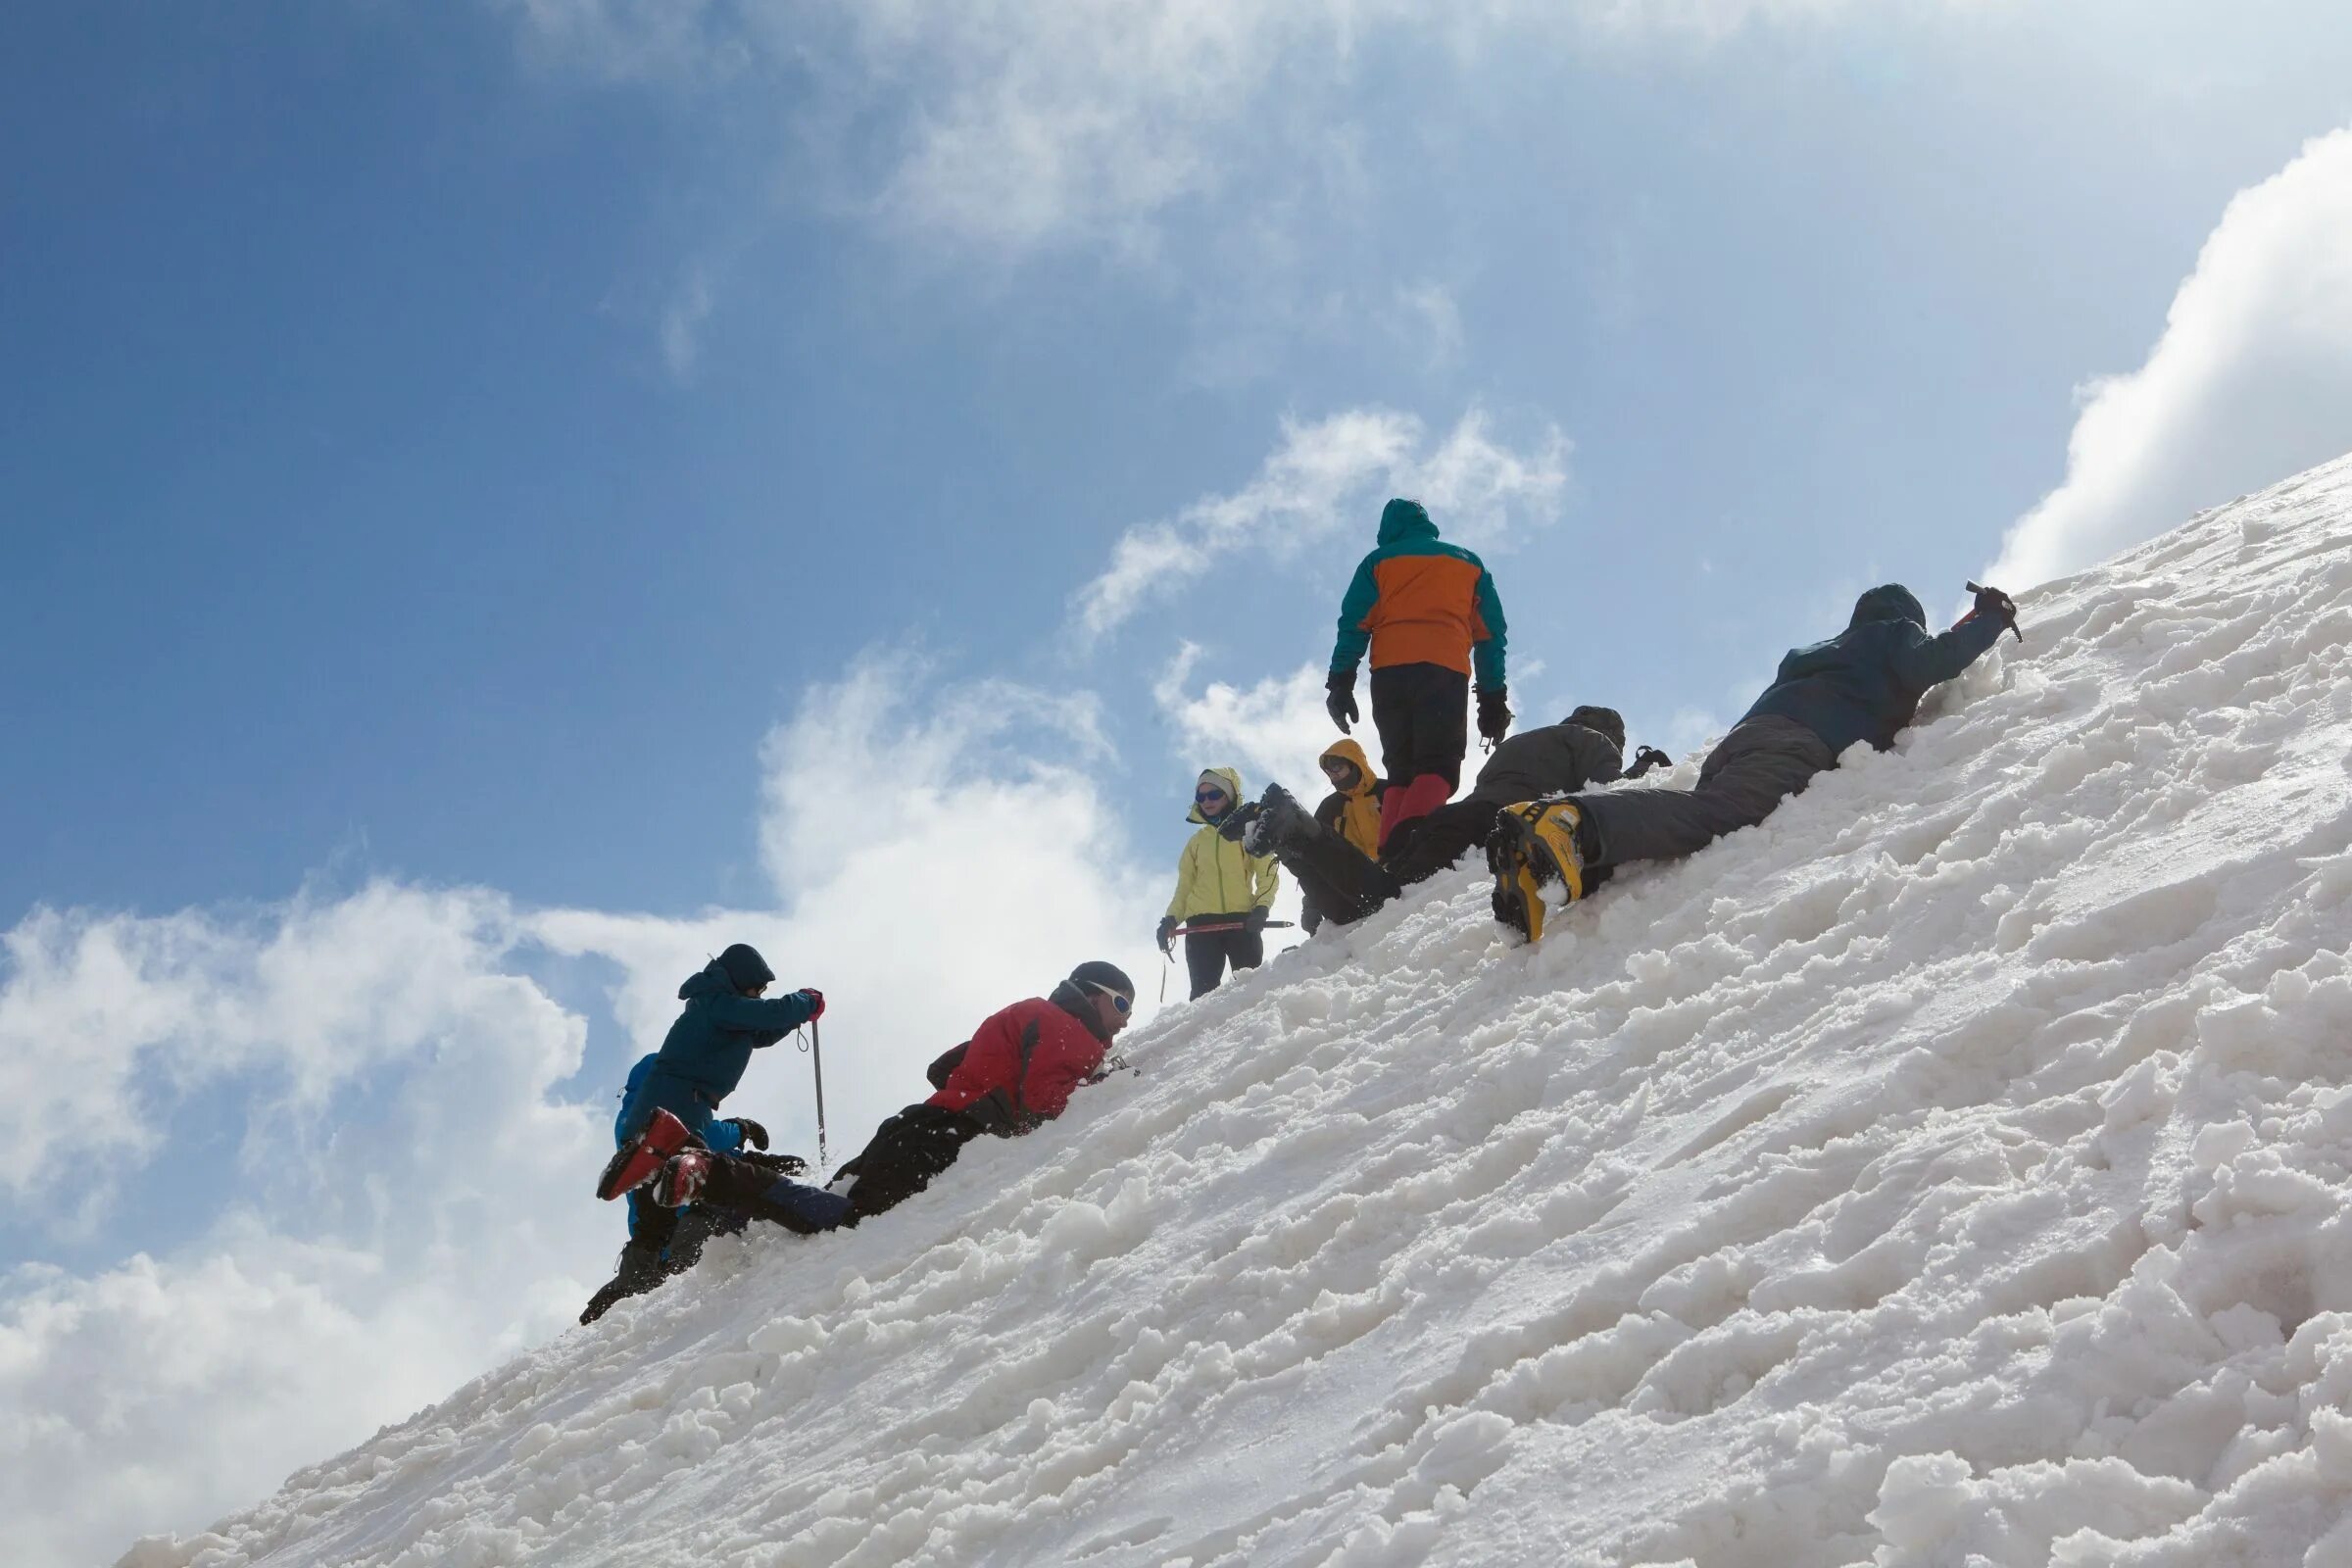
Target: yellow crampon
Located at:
point(1533, 847)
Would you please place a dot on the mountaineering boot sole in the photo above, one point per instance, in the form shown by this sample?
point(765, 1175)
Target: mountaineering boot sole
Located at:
point(641, 1158)
point(1517, 903)
point(1534, 847)
point(1277, 821)
point(683, 1179)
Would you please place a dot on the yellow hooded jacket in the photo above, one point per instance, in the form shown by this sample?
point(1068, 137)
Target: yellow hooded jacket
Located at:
point(1353, 815)
point(1213, 875)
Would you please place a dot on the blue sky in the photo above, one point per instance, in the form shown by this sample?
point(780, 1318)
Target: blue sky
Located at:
point(468, 472)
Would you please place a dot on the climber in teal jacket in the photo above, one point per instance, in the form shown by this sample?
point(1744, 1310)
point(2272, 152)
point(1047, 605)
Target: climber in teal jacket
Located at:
point(701, 1060)
point(704, 1055)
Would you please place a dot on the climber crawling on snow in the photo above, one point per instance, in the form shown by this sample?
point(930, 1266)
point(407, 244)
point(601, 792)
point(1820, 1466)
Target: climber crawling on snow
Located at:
point(1017, 1072)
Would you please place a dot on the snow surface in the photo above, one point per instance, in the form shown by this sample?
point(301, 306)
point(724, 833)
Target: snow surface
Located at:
point(1952, 1172)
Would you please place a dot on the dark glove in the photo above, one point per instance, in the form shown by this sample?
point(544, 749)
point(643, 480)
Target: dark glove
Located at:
point(752, 1134)
point(1645, 759)
point(1338, 699)
point(1993, 603)
point(1167, 932)
point(1255, 920)
point(815, 999)
point(781, 1165)
point(1494, 713)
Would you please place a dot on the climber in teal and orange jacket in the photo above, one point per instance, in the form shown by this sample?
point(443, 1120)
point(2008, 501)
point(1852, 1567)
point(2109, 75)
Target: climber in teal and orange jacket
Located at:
point(1428, 614)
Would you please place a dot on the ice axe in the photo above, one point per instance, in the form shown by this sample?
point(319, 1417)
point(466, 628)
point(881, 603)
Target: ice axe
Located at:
point(2008, 607)
point(1229, 925)
point(817, 1059)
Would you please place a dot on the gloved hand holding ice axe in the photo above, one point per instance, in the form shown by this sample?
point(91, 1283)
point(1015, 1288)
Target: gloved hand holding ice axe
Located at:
point(1998, 605)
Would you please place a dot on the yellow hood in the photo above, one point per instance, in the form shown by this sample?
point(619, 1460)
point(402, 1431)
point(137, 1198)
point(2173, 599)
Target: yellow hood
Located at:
point(1348, 751)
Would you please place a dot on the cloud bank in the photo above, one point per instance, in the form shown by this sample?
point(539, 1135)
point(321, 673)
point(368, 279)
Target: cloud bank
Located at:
point(2250, 381)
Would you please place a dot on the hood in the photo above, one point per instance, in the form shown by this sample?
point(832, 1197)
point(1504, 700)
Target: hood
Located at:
point(732, 973)
point(742, 964)
point(707, 981)
point(1231, 777)
point(1606, 722)
point(1349, 751)
point(1401, 520)
point(1888, 602)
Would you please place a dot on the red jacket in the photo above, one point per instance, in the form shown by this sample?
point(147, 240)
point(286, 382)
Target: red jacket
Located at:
point(1062, 1052)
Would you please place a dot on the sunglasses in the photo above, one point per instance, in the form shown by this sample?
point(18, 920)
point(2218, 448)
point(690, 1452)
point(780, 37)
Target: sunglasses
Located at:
point(1118, 1000)
point(1204, 797)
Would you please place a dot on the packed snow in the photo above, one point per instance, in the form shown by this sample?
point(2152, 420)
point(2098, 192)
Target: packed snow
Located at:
point(1950, 1171)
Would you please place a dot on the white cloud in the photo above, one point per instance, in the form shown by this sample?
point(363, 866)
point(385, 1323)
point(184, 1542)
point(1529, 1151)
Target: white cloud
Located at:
point(1006, 127)
point(2250, 382)
point(110, 1017)
point(1273, 731)
point(363, 1264)
point(1322, 477)
point(411, 1202)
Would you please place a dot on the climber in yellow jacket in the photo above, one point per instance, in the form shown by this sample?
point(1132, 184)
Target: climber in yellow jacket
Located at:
point(1219, 884)
point(1352, 810)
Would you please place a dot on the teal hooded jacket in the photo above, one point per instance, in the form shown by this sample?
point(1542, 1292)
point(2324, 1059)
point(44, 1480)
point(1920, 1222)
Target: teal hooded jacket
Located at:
point(1417, 599)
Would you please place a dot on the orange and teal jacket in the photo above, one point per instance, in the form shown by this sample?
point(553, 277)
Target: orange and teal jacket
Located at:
point(1417, 599)
point(1214, 875)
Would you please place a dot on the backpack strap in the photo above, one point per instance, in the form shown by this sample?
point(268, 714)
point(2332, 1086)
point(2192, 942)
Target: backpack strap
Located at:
point(1020, 1084)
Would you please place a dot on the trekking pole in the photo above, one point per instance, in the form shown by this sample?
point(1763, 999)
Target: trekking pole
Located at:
point(1230, 925)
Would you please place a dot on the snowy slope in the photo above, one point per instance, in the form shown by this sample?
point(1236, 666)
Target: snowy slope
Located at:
point(1950, 1171)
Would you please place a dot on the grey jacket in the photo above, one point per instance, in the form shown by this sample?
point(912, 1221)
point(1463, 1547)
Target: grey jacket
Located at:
point(1554, 760)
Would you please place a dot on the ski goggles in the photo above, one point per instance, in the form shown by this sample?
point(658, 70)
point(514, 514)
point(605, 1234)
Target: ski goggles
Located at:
point(1119, 1000)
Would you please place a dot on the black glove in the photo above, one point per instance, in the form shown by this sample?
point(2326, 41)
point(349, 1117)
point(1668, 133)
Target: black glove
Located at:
point(781, 1165)
point(1338, 699)
point(1645, 759)
point(754, 1135)
point(1255, 920)
point(1167, 932)
point(1494, 713)
point(1998, 606)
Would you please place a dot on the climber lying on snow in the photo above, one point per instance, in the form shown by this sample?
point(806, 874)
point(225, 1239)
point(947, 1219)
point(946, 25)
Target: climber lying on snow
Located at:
point(1863, 684)
point(1342, 879)
point(1015, 1073)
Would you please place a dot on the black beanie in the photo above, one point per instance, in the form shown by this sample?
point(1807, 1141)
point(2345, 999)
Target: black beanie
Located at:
point(745, 967)
point(1605, 720)
point(1094, 972)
